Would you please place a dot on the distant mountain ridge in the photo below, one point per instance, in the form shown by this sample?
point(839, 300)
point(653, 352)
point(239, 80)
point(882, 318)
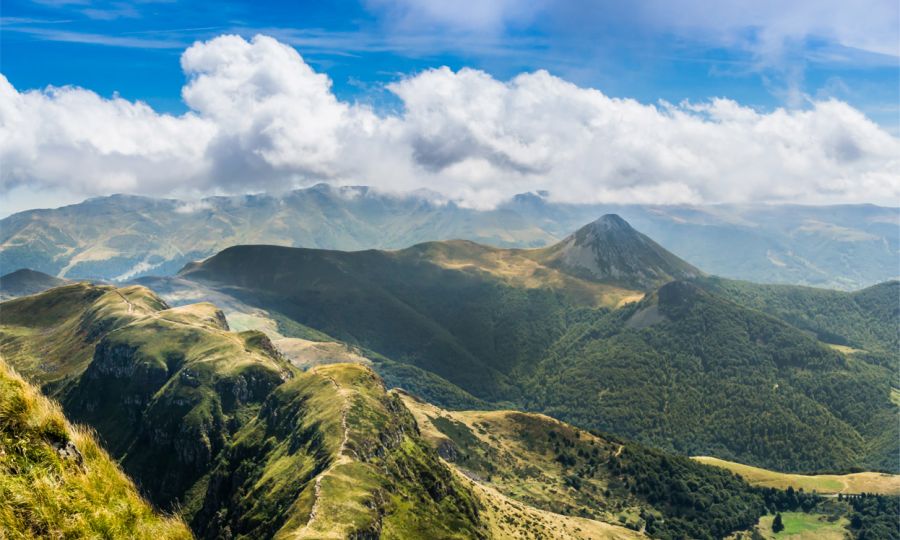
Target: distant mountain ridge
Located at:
point(123, 237)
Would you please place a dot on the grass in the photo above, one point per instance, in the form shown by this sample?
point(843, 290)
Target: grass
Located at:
point(844, 348)
point(510, 519)
point(44, 494)
point(865, 482)
point(800, 526)
point(521, 268)
point(517, 454)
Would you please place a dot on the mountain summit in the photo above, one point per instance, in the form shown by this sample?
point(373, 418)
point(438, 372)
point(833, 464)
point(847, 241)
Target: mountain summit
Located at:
point(609, 249)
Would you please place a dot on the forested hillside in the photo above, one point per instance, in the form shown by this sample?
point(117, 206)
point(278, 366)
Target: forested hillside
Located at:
point(685, 369)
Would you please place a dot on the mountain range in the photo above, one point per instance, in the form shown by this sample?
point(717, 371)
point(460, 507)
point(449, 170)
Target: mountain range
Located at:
point(219, 427)
point(549, 392)
point(123, 237)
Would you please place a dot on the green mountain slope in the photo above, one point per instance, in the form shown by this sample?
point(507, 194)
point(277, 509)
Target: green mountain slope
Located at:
point(469, 313)
point(685, 369)
point(121, 237)
point(868, 319)
point(57, 482)
point(218, 424)
point(691, 372)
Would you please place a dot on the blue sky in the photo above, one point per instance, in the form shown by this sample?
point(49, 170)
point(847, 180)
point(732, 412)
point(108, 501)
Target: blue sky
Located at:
point(626, 49)
point(649, 101)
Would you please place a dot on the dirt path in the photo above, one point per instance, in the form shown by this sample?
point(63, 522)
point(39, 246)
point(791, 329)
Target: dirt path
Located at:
point(127, 301)
point(342, 456)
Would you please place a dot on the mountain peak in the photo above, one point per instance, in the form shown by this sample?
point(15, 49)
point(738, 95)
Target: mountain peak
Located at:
point(607, 222)
point(609, 249)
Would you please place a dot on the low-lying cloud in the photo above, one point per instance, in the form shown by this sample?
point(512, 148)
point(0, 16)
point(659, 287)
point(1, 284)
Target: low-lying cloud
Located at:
point(262, 119)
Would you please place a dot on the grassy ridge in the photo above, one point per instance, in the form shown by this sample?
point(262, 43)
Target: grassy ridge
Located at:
point(541, 462)
point(56, 481)
point(164, 388)
point(854, 483)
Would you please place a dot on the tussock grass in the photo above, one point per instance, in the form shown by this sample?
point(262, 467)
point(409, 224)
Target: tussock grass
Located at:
point(45, 494)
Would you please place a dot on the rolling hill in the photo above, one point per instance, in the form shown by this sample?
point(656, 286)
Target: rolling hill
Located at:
point(682, 367)
point(122, 237)
point(23, 282)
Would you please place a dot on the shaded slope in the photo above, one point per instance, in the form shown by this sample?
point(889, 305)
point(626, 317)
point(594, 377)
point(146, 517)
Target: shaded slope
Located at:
point(465, 324)
point(24, 282)
point(56, 481)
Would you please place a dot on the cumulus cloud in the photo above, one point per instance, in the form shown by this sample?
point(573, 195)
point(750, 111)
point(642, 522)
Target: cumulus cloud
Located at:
point(261, 118)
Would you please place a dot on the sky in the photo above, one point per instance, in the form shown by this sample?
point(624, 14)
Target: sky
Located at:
point(684, 101)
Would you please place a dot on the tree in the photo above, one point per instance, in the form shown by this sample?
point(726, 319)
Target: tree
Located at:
point(777, 525)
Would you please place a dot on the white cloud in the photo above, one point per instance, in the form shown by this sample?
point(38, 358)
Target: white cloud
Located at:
point(261, 118)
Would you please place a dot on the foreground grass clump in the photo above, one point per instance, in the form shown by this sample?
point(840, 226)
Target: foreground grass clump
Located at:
point(56, 481)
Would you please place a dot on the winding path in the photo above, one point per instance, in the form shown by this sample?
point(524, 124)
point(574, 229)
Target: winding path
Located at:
point(342, 456)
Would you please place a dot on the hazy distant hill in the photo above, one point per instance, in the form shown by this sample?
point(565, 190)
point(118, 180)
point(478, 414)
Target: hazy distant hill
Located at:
point(122, 237)
point(684, 368)
point(24, 282)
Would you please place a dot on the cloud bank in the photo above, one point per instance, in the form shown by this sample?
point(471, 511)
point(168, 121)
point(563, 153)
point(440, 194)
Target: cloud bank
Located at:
point(262, 119)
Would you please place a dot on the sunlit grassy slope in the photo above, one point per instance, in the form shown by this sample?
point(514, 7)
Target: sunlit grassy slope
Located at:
point(801, 526)
point(56, 481)
point(536, 461)
point(865, 482)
